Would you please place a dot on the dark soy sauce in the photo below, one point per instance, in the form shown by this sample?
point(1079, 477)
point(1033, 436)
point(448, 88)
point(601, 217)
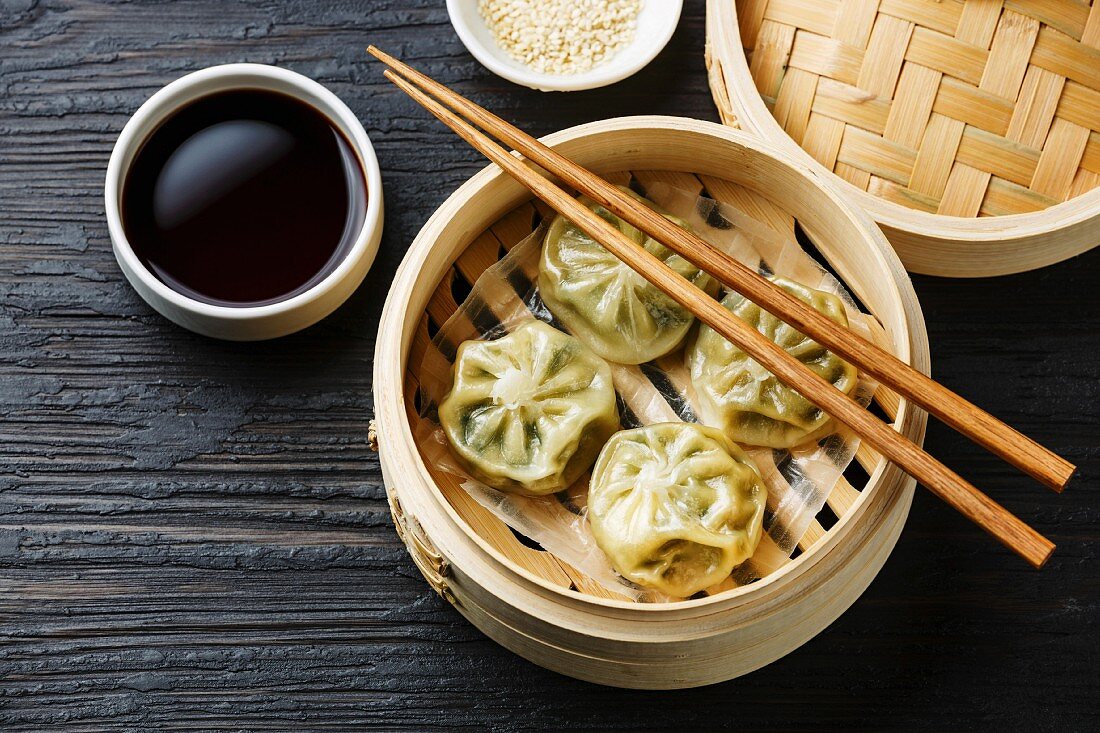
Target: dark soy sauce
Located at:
point(244, 198)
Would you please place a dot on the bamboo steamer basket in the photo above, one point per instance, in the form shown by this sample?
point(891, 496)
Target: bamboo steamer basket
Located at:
point(970, 131)
point(538, 606)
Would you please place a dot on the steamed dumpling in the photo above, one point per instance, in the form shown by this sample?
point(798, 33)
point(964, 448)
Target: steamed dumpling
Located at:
point(747, 401)
point(604, 303)
point(675, 506)
point(530, 411)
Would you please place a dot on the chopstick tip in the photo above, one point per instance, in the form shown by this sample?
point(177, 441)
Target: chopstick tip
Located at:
point(1043, 560)
point(1069, 473)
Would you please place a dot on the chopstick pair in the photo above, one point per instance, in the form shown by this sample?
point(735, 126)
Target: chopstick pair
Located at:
point(978, 425)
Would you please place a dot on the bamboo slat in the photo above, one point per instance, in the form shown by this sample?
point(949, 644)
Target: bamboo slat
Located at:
point(936, 106)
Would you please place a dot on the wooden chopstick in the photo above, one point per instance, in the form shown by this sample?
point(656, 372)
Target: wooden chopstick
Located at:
point(943, 482)
point(1001, 439)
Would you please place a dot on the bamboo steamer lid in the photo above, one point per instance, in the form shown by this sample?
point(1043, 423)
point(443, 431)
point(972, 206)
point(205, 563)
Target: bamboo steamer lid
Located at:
point(970, 131)
point(537, 605)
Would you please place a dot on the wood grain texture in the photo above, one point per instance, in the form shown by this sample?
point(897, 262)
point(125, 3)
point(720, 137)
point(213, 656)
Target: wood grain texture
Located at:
point(194, 536)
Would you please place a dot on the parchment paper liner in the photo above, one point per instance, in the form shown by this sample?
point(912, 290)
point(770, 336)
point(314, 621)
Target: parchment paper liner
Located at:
point(798, 480)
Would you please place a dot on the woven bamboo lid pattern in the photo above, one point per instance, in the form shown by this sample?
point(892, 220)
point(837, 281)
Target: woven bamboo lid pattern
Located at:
point(964, 109)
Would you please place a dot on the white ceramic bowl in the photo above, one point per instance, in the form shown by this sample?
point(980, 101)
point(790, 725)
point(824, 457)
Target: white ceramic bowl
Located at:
point(248, 323)
point(656, 23)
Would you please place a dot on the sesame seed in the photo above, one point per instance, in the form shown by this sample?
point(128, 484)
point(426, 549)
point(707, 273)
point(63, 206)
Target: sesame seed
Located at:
point(561, 36)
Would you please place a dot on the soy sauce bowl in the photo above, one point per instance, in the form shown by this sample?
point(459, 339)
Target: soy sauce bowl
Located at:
point(247, 322)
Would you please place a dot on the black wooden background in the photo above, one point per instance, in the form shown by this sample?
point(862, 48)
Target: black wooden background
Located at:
point(193, 534)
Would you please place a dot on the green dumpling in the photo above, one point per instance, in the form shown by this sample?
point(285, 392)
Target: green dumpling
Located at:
point(749, 403)
point(603, 302)
point(528, 412)
point(675, 506)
